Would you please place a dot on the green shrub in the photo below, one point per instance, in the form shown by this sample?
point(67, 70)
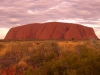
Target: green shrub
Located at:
point(44, 53)
point(29, 71)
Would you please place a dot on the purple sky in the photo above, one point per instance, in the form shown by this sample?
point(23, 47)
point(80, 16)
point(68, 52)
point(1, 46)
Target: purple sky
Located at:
point(18, 12)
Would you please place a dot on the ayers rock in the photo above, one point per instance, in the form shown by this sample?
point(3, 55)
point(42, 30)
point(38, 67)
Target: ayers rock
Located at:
point(51, 30)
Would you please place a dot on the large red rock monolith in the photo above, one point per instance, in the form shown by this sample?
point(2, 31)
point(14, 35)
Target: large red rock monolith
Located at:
point(51, 30)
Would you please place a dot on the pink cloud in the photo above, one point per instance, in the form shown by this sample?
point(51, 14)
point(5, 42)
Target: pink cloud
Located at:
point(32, 11)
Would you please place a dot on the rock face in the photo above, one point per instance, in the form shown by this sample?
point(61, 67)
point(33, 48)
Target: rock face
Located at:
point(51, 30)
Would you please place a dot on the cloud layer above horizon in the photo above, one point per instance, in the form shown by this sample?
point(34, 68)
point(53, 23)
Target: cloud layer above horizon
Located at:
point(19, 12)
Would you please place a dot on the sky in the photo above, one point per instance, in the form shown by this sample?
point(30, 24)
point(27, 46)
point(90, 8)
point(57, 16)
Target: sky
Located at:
point(19, 12)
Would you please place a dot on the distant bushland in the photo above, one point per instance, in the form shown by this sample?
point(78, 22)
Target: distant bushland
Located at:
point(50, 57)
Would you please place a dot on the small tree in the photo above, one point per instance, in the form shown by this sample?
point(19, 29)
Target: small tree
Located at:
point(18, 51)
point(13, 56)
point(6, 62)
